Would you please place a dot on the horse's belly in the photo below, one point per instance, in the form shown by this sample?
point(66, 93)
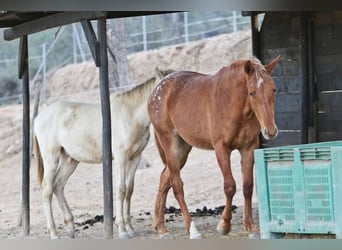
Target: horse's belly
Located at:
point(198, 140)
point(85, 154)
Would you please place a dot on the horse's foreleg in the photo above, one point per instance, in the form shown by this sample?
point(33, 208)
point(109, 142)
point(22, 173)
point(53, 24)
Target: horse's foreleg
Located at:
point(66, 167)
point(120, 169)
point(223, 158)
point(247, 165)
point(130, 174)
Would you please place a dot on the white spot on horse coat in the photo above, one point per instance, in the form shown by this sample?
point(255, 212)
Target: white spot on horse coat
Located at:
point(259, 81)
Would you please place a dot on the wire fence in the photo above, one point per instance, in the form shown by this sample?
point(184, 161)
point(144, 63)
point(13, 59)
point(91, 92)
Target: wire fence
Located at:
point(144, 37)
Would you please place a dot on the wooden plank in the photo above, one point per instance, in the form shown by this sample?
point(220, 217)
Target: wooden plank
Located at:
point(323, 18)
point(288, 120)
point(330, 102)
point(330, 81)
point(328, 63)
point(330, 122)
point(329, 136)
point(284, 138)
point(330, 31)
point(328, 47)
point(280, 30)
point(289, 102)
point(51, 21)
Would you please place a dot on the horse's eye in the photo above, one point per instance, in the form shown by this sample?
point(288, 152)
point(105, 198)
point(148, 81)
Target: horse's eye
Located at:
point(251, 93)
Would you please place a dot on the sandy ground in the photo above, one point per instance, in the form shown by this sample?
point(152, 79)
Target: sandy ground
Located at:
point(202, 185)
point(201, 175)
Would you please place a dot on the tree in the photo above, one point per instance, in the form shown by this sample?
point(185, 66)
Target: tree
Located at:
point(118, 67)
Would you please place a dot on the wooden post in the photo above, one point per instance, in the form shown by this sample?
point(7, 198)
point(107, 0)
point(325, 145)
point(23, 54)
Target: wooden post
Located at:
point(24, 75)
point(106, 131)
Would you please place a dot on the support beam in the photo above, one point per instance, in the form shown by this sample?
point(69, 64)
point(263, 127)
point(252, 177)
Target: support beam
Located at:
point(106, 130)
point(24, 75)
point(255, 35)
point(51, 21)
point(92, 41)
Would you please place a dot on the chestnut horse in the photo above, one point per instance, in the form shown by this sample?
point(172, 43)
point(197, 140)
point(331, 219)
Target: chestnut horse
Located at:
point(222, 112)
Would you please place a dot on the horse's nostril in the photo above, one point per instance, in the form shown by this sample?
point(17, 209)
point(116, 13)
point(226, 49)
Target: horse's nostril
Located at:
point(265, 131)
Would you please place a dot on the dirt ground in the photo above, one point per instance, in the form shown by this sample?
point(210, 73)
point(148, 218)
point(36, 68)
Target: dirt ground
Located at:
point(201, 175)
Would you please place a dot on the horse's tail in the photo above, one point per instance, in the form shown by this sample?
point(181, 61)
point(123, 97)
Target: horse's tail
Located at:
point(40, 165)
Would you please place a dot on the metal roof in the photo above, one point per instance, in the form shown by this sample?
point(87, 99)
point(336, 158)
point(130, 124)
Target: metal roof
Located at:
point(19, 23)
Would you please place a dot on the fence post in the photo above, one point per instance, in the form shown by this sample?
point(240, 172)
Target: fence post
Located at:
point(144, 32)
point(234, 21)
point(186, 27)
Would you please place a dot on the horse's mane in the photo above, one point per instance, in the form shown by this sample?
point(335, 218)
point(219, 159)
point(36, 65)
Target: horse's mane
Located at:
point(258, 67)
point(136, 94)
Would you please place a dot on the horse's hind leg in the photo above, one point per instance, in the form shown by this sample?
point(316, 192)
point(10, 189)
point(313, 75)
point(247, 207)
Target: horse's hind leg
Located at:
point(164, 187)
point(66, 167)
point(159, 210)
point(247, 164)
point(175, 151)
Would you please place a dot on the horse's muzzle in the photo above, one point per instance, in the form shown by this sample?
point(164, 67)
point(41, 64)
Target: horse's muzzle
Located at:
point(270, 134)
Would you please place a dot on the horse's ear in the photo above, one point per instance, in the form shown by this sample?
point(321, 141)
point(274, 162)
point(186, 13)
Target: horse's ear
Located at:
point(153, 79)
point(249, 69)
point(159, 73)
point(269, 67)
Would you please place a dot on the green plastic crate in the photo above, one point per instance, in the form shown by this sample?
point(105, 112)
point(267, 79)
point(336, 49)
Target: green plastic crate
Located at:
point(299, 189)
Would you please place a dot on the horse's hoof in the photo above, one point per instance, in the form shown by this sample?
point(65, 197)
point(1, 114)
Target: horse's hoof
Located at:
point(166, 236)
point(71, 233)
point(132, 234)
point(222, 229)
point(54, 237)
point(196, 236)
point(124, 236)
point(254, 236)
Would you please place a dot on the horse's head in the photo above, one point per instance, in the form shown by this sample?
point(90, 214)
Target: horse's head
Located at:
point(261, 91)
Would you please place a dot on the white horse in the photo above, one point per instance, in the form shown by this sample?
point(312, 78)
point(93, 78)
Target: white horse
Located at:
point(66, 133)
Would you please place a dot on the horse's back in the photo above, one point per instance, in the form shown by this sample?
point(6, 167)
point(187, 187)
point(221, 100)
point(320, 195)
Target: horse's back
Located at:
point(74, 126)
point(182, 100)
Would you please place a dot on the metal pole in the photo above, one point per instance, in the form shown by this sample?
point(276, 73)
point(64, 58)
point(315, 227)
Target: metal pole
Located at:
point(74, 49)
point(186, 27)
point(234, 21)
point(144, 32)
point(78, 41)
point(24, 75)
point(44, 70)
point(106, 131)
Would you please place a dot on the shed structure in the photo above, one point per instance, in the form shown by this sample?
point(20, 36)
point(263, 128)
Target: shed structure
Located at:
point(21, 24)
point(309, 75)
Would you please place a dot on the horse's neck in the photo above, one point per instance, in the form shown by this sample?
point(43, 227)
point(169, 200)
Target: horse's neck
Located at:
point(231, 82)
point(134, 102)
